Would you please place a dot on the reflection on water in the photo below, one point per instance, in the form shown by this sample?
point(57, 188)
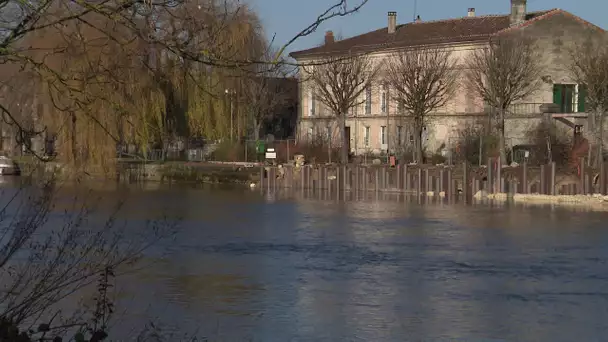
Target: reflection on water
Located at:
point(283, 267)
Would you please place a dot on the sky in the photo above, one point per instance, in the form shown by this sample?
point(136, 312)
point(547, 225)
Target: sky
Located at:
point(283, 19)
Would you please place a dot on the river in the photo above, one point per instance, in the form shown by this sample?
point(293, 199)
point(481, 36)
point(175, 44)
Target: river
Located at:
point(249, 267)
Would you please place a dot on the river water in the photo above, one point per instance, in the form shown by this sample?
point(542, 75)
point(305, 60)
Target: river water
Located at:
point(252, 267)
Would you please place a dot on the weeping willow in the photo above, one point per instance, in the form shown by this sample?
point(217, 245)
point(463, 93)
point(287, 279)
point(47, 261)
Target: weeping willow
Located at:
point(101, 84)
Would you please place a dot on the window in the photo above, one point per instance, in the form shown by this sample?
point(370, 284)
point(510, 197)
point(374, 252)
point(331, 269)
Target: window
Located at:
point(328, 133)
point(383, 135)
point(366, 134)
point(400, 107)
point(581, 93)
point(383, 95)
point(368, 99)
point(399, 135)
point(312, 104)
point(310, 134)
point(569, 97)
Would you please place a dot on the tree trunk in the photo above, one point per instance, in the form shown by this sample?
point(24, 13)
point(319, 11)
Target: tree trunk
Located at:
point(501, 137)
point(599, 139)
point(256, 129)
point(73, 140)
point(418, 142)
point(343, 137)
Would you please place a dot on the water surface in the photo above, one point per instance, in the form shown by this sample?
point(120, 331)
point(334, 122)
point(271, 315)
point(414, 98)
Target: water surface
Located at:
point(247, 266)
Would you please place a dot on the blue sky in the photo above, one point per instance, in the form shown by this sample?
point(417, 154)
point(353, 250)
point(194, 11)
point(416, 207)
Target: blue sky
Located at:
point(285, 18)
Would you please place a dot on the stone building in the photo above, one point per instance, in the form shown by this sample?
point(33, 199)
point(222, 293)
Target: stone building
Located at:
point(376, 125)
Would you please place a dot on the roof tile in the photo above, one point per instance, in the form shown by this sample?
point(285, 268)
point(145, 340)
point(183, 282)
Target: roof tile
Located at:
point(458, 30)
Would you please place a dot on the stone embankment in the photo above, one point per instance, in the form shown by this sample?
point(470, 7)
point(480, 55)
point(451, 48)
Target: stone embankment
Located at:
point(595, 200)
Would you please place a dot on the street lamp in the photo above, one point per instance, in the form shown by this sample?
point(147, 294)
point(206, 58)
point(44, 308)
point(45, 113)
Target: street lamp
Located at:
point(231, 92)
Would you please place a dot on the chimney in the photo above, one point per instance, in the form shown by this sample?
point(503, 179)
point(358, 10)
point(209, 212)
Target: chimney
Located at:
point(518, 11)
point(471, 12)
point(329, 37)
point(392, 22)
point(418, 19)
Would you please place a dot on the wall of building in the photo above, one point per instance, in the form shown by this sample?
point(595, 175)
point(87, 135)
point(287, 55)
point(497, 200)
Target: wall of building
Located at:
point(555, 37)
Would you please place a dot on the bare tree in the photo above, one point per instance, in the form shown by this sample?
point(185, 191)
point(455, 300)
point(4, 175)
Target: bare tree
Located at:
point(263, 92)
point(47, 257)
point(338, 82)
point(507, 71)
point(422, 80)
point(589, 67)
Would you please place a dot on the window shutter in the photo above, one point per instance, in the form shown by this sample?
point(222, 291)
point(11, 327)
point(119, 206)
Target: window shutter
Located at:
point(582, 95)
point(557, 96)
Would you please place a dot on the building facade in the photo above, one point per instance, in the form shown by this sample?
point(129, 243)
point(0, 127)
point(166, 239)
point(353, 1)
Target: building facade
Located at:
point(377, 125)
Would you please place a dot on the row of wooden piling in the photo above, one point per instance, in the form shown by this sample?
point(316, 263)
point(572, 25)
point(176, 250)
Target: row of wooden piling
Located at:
point(461, 180)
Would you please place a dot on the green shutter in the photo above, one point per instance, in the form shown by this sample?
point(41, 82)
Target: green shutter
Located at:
point(582, 96)
point(557, 95)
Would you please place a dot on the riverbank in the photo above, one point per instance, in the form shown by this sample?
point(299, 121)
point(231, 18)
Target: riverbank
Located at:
point(594, 201)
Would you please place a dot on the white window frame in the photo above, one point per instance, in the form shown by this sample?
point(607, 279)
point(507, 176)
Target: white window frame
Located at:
point(383, 98)
point(366, 135)
point(368, 99)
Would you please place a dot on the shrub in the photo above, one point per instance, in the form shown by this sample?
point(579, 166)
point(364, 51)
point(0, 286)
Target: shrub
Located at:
point(469, 140)
point(550, 144)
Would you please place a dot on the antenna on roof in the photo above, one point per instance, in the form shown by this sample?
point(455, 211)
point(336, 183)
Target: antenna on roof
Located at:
point(415, 9)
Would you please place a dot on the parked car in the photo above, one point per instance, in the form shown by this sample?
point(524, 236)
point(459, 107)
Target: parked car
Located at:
point(9, 166)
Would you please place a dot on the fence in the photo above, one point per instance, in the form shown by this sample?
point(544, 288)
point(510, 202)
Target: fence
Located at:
point(448, 181)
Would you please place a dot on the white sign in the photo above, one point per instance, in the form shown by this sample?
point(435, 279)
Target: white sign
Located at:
point(271, 154)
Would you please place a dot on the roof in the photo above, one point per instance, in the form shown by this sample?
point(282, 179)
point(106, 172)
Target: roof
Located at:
point(458, 30)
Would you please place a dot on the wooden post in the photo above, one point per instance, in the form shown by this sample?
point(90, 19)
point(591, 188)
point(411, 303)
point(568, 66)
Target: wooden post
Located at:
point(450, 188)
point(498, 182)
point(419, 189)
point(262, 175)
point(583, 187)
point(465, 180)
point(490, 181)
point(377, 179)
point(406, 179)
point(602, 180)
point(385, 178)
point(552, 180)
point(524, 177)
point(543, 181)
point(398, 177)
